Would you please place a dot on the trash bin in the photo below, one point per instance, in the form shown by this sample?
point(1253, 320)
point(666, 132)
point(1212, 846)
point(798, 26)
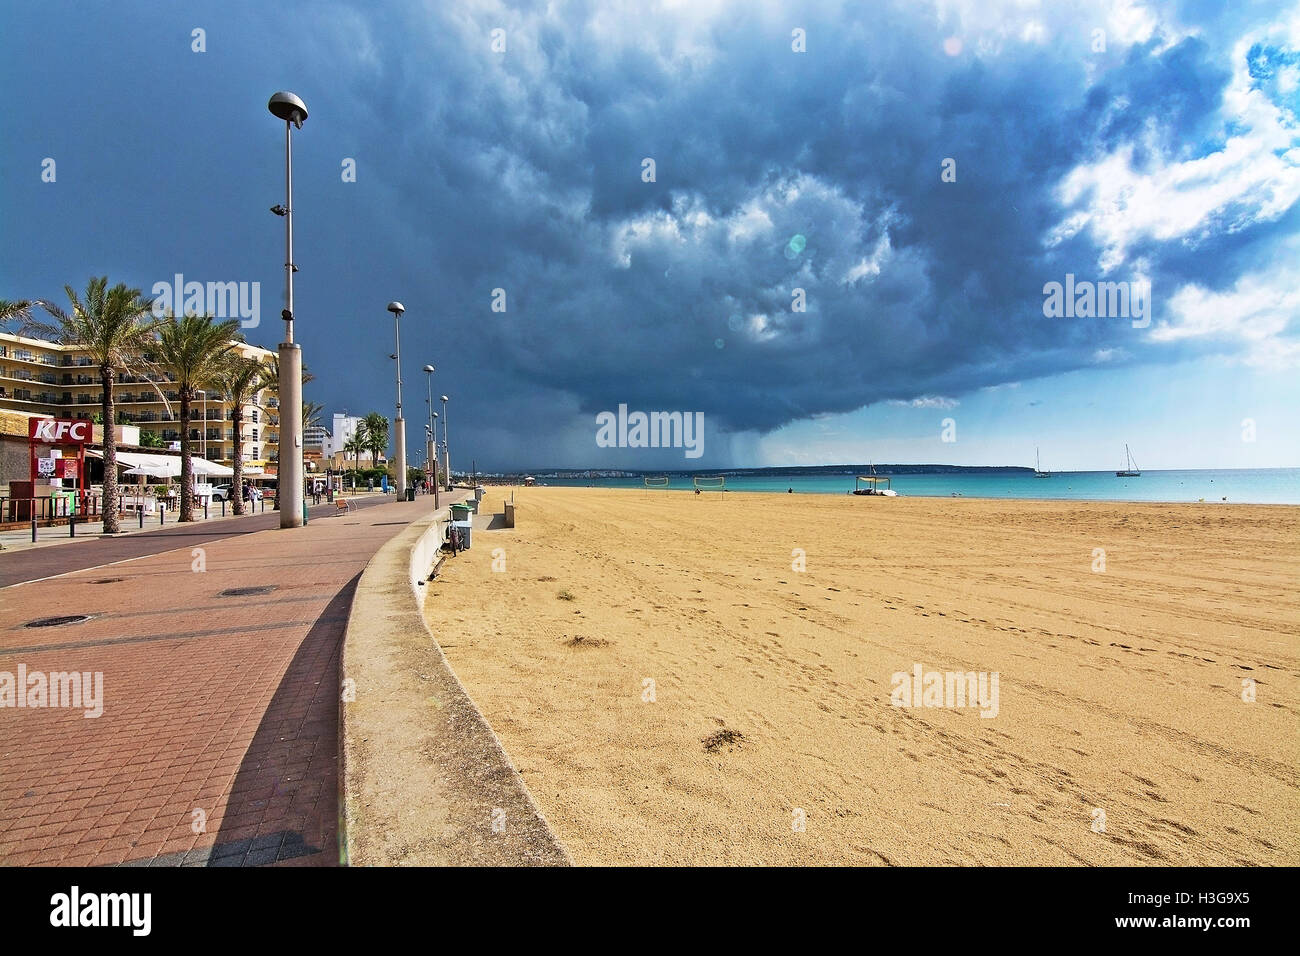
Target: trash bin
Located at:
point(466, 529)
point(410, 493)
point(460, 512)
point(478, 493)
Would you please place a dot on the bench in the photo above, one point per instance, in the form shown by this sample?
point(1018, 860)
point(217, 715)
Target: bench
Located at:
point(341, 506)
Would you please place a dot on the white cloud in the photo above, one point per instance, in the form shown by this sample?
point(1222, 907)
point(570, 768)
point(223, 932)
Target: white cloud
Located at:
point(1254, 177)
point(1259, 310)
point(928, 401)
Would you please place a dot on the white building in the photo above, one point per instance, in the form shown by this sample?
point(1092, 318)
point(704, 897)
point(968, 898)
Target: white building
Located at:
point(345, 426)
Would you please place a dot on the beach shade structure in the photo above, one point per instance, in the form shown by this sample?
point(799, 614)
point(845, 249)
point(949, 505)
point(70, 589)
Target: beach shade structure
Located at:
point(655, 482)
point(873, 483)
point(714, 483)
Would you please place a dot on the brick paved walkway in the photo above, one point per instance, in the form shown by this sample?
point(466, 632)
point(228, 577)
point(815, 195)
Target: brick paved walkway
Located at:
point(24, 562)
point(226, 705)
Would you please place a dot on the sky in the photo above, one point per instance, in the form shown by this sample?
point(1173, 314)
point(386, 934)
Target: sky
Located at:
point(829, 228)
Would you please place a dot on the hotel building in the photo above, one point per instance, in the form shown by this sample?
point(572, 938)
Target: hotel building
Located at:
point(46, 378)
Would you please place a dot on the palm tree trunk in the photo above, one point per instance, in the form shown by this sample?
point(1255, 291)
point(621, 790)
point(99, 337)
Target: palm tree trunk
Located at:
point(237, 486)
point(108, 507)
point(187, 460)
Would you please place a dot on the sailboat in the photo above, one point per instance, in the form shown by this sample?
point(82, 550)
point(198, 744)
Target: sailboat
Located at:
point(1038, 471)
point(1130, 469)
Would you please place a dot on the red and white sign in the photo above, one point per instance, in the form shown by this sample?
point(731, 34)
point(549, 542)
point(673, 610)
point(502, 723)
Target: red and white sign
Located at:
point(59, 431)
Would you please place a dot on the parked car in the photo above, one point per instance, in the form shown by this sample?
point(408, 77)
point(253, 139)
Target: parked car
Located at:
point(223, 493)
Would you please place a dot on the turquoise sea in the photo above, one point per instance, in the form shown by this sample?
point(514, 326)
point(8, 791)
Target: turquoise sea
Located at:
point(1245, 485)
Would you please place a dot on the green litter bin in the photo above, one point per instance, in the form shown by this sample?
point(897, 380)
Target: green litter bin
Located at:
point(410, 493)
point(460, 512)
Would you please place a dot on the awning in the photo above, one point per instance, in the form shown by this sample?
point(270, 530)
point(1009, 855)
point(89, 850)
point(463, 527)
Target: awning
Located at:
point(152, 471)
point(207, 468)
point(166, 465)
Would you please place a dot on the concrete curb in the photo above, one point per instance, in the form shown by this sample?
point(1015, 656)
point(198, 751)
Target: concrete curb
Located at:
point(423, 778)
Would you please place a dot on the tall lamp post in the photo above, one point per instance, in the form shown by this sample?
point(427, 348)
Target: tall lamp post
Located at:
point(446, 454)
point(399, 423)
point(289, 473)
point(430, 449)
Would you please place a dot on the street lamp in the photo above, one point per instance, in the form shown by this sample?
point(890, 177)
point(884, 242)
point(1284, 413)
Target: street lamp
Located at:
point(399, 423)
point(289, 474)
point(430, 451)
point(446, 454)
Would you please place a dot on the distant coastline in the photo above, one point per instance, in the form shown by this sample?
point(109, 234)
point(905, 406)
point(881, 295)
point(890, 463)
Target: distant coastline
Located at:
point(1244, 485)
point(772, 470)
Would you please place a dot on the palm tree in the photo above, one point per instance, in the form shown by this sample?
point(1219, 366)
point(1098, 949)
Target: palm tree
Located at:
point(194, 348)
point(116, 328)
point(240, 380)
point(354, 446)
point(18, 309)
point(375, 434)
point(310, 416)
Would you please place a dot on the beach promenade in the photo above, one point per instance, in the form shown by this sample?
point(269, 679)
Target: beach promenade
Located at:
point(218, 650)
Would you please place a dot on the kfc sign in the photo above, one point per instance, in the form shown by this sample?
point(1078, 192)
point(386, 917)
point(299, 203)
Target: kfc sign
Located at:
point(59, 431)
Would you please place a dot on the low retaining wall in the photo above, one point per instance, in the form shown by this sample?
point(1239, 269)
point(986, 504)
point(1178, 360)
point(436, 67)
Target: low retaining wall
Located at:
point(424, 780)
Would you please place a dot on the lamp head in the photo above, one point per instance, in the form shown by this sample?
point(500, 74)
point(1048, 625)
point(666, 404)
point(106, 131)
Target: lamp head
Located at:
point(445, 399)
point(430, 369)
point(288, 107)
point(396, 308)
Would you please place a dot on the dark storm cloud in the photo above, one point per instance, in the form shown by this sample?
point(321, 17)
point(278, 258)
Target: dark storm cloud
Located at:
point(622, 291)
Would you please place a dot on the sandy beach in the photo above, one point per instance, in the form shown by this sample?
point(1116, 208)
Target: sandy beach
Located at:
point(675, 689)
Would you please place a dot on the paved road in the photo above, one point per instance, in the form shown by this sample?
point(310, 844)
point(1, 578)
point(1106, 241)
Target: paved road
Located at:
point(218, 739)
